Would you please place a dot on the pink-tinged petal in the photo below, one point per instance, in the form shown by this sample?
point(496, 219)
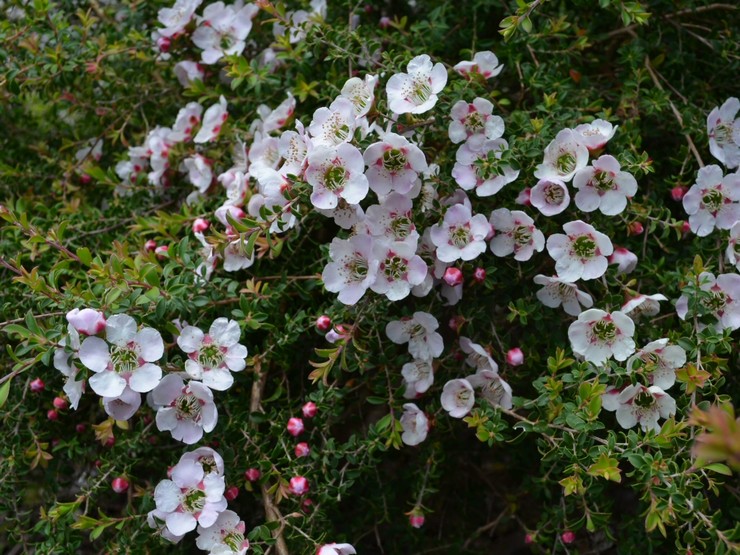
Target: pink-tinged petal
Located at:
point(124, 406)
point(145, 378)
point(120, 329)
point(194, 369)
point(166, 419)
point(107, 384)
point(587, 199)
point(180, 523)
point(626, 416)
point(188, 432)
point(187, 473)
point(225, 332)
point(612, 203)
point(167, 496)
point(151, 346)
point(190, 339)
point(324, 199)
point(167, 390)
point(702, 223)
point(594, 268)
point(94, 354)
point(218, 379)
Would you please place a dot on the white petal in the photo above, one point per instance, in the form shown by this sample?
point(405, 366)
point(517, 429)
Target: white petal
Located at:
point(145, 378)
point(107, 384)
point(120, 329)
point(94, 354)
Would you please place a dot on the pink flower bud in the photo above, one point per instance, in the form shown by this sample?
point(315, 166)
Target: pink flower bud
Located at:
point(200, 225)
point(164, 43)
point(150, 245)
point(85, 179)
point(252, 474)
point(298, 485)
point(625, 260)
point(80, 428)
point(60, 403)
point(384, 22)
point(685, 227)
point(302, 449)
point(479, 275)
point(568, 536)
point(455, 322)
point(635, 228)
point(37, 385)
point(119, 484)
point(529, 539)
point(161, 251)
point(309, 410)
point(86, 321)
point(416, 520)
point(515, 357)
point(110, 442)
point(323, 323)
point(678, 192)
point(307, 504)
point(52, 415)
point(231, 493)
point(453, 276)
point(295, 427)
point(524, 197)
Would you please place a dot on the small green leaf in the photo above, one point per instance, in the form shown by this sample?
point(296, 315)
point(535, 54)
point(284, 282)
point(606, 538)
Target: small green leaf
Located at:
point(4, 390)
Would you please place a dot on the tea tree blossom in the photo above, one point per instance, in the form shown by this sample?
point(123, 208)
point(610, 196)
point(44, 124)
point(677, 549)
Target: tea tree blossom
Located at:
point(361, 93)
point(419, 332)
point(156, 520)
point(604, 186)
point(393, 219)
point(223, 30)
point(723, 128)
point(474, 122)
point(190, 498)
point(293, 147)
point(418, 376)
point(64, 360)
point(557, 291)
point(478, 357)
point(393, 164)
point(125, 359)
point(214, 355)
point(415, 425)
point(732, 254)
point(492, 388)
point(184, 410)
point(625, 260)
point(334, 125)
point(123, 406)
point(176, 18)
point(399, 269)
point(187, 118)
point(345, 215)
point(336, 173)
point(658, 361)
point(637, 404)
point(209, 460)
point(460, 235)
point(86, 321)
point(336, 549)
point(596, 134)
point(478, 166)
point(484, 63)
point(298, 485)
point(598, 335)
point(580, 253)
point(416, 92)
point(564, 156)
point(226, 536)
point(353, 268)
point(458, 397)
point(199, 172)
point(514, 232)
point(213, 120)
point(550, 196)
point(187, 72)
point(643, 305)
point(236, 256)
point(719, 297)
point(713, 201)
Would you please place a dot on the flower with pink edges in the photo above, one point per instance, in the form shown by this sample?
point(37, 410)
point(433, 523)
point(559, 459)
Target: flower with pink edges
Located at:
point(416, 91)
point(226, 536)
point(353, 268)
point(625, 260)
point(478, 166)
point(723, 128)
point(658, 361)
point(460, 235)
point(550, 196)
point(393, 164)
point(596, 134)
point(474, 122)
point(598, 335)
point(580, 253)
point(713, 201)
point(564, 156)
point(484, 63)
point(336, 173)
point(604, 186)
point(514, 232)
point(184, 410)
point(399, 269)
point(720, 297)
point(213, 121)
point(86, 321)
point(638, 404)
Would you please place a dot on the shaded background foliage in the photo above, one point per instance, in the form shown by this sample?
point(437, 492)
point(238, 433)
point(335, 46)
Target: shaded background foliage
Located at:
point(80, 70)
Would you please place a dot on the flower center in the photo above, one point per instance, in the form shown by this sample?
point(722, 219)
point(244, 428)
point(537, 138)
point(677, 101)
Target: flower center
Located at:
point(493, 391)
point(334, 178)
point(394, 160)
point(565, 290)
point(459, 236)
point(462, 397)
point(604, 330)
point(188, 407)
point(522, 235)
point(474, 122)
point(420, 371)
point(644, 400)
point(210, 356)
point(357, 268)
point(402, 226)
point(715, 301)
point(194, 501)
point(603, 181)
point(566, 162)
point(713, 200)
point(394, 267)
point(234, 540)
point(554, 194)
point(125, 359)
point(420, 91)
point(723, 133)
point(209, 464)
point(584, 247)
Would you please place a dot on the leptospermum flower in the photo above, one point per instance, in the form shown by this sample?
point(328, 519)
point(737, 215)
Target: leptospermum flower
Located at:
point(345, 215)
point(361, 93)
point(549, 196)
point(492, 388)
point(458, 397)
point(353, 268)
point(336, 549)
point(184, 410)
point(226, 536)
point(187, 118)
point(514, 232)
point(336, 173)
point(479, 167)
point(126, 358)
point(187, 72)
point(293, 147)
point(625, 260)
point(199, 172)
point(213, 120)
point(416, 92)
point(223, 30)
point(213, 356)
point(595, 134)
point(478, 357)
point(86, 321)
point(564, 156)
point(64, 361)
point(334, 125)
point(658, 361)
point(207, 458)
point(723, 128)
point(720, 298)
point(713, 201)
point(124, 406)
point(604, 186)
point(557, 291)
point(640, 404)
point(393, 164)
point(732, 254)
point(484, 63)
point(581, 253)
point(643, 305)
point(418, 376)
point(393, 219)
point(460, 235)
point(190, 498)
point(598, 335)
point(399, 269)
point(474, 122)
point(419, 332)
point(415, 425)
point(176, 18)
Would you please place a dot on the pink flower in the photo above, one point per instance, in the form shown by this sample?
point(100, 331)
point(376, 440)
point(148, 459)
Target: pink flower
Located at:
point(37, 385)
point(119, 484)
point(60, 403)
point(568, 536)
point(323, 323)
point(298, 485)
point(295, 427)
point(86, 321)
point(200, 225)
point(309, 410)
point(302, 449)
point(252, 474)
point(453, 276)
point(625, 260)
point(416, 520)
point(515, 357)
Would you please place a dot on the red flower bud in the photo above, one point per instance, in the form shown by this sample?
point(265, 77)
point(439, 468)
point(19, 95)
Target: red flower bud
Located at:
point(309, 410)
point(453, 276)
point(231, 493)
point(60, 403)
point(323, 323)
point(37, 385)
point(252, 474)
point(119, 484)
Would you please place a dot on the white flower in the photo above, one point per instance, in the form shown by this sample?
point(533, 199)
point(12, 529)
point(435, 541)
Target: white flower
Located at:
point(187, 72)
point(643, 405)
point(514, 232)
point(213, 356)
point(334, 173)
point(176, 18)
point(598, 335)
point(207, 458)
point(393, 219)
point(418, 376)
point(460, 235)
point(199, 171)
point(353, 268)
point(416, 92)
point(190, 498)
point(235, 254)
point(213, 120)
point(719, 297)
point(415, 425)
point(272, 120)
point(581, 253)
point(124, 406)
point(458, 397)
point(86, 321)
point(723, 128)
point(186, 411)
point(492, 388)
point(64, 361)
point(187, 118)
point(478, 166)
point(419, 332)
point(126, 361)
point(643, 305)
point(394, 164)
point(474, 122)
point(550, 196)
point(484, 63)
point(293, 147)
point(625, 260)
point(226, 536)
point(334, 125)
point(595, 134)
point(557, 291)
point(399, 270)
point(93, 150)
point(345, 215)
point(156, 519)
point(478, 357)
point(604, 186)
point(658, 361)
point(564, 156)
point(223, 30)
point(336, 549)
point(361, 93)
point(713, 201)
point(732, 254)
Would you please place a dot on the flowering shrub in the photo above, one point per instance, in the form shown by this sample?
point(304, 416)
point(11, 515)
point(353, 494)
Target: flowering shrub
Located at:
point(306, 277)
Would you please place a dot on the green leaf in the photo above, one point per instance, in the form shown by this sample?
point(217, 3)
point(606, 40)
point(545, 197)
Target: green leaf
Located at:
point(4, 390)
point(83, 253)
